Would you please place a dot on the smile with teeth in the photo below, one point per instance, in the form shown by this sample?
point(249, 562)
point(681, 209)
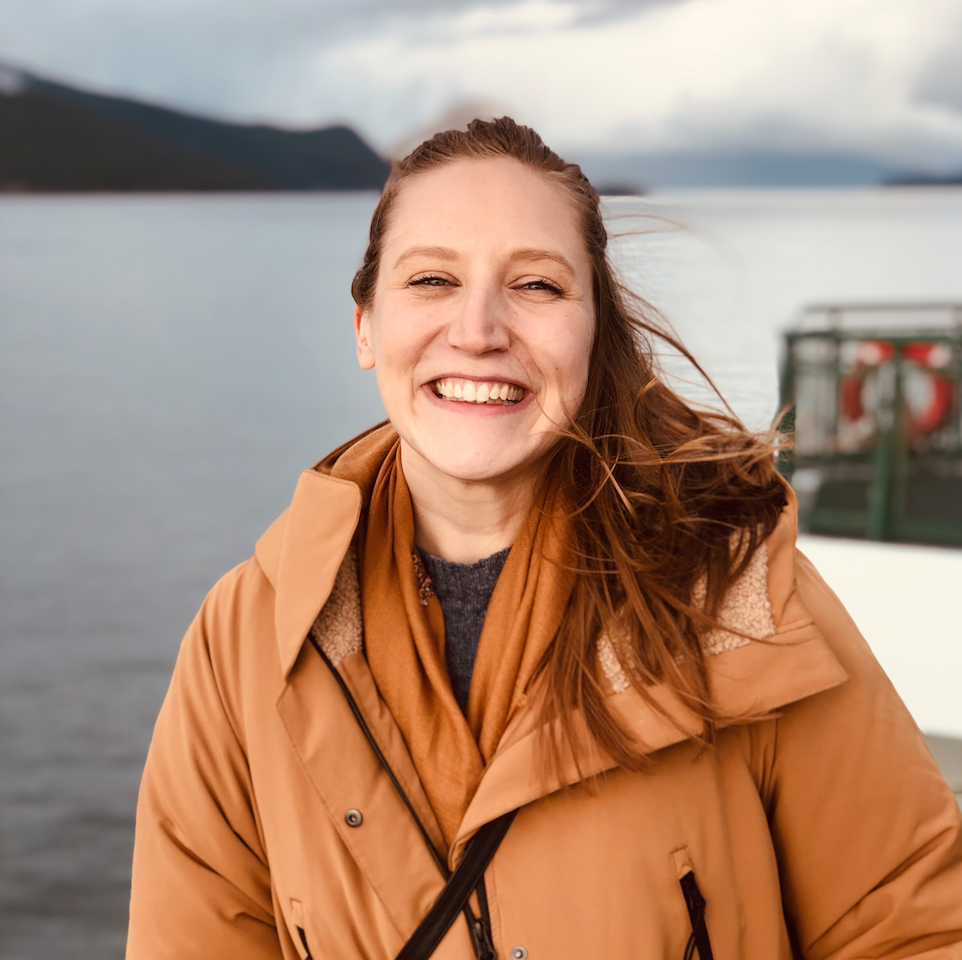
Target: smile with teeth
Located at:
point(471, 391)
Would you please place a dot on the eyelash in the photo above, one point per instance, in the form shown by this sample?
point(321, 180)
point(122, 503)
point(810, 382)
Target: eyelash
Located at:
point(547, 284)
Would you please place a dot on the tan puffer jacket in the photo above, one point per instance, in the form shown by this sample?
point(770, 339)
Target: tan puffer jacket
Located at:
point(823, 830)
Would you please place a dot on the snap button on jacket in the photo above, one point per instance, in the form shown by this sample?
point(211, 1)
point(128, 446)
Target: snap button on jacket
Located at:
point(818, 826)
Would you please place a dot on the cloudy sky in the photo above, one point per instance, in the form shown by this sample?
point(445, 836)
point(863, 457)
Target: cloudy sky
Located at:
point(876, 77)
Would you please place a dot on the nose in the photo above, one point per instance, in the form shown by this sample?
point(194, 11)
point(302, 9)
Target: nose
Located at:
point(478, 326)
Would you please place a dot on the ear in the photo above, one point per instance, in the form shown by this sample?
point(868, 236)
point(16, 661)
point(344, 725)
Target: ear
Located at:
point(362, 333)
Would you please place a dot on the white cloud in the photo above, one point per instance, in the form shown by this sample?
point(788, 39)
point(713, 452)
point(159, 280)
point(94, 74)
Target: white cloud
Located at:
point(827, 72)
point(861, 75)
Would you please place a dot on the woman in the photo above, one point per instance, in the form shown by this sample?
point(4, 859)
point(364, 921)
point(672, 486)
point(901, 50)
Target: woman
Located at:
point(548, 586)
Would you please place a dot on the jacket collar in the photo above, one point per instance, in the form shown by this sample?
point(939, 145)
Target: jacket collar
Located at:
point(301, 552)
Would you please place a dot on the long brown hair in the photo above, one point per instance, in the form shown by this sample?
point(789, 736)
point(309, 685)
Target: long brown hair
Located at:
point(665, 494)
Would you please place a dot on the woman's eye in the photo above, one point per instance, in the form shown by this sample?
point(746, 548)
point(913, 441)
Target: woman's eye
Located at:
point(543, 284)
point(429, 281)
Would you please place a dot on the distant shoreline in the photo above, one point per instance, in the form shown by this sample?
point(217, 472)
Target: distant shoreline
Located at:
point(58, 139)
point(7, 191)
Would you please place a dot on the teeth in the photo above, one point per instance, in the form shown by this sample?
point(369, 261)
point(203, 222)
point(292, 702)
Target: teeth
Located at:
point(471, 392)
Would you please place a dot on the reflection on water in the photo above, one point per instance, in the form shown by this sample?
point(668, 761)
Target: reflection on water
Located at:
point(169, 365)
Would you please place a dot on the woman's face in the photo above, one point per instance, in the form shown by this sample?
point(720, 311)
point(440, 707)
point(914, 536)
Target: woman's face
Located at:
point(482, 321)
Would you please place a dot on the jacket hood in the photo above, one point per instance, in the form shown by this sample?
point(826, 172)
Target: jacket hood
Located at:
point(302, 550)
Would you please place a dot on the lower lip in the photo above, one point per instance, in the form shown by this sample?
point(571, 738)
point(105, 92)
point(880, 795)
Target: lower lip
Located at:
point(477, 409)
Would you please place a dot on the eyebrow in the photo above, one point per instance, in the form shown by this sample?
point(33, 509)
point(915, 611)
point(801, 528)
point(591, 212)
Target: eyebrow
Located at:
point(522, 254)
point(438, 253)
point(532, 253)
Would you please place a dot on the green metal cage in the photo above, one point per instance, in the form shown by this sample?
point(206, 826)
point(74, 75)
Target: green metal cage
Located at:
point(874, 400)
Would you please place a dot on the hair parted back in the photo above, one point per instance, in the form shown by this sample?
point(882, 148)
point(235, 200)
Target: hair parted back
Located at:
point(665, 494)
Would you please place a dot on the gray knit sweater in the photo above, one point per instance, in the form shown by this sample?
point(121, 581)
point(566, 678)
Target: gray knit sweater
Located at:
point(463, 590)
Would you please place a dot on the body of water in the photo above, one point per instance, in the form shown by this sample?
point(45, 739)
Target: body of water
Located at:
point(168, 366)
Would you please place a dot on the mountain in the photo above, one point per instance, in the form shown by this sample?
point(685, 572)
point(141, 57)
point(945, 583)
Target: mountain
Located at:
point(58, 138)
point(679, 169)
point(55, 137)
point(924, 180)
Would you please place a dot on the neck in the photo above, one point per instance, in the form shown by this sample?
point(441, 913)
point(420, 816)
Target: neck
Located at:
point(464, 521)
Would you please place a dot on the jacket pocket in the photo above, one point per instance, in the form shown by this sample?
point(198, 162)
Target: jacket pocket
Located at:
point(695, 903)
point(297, 915)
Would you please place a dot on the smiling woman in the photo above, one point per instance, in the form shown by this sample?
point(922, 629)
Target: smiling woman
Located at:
point(535, 652)
point(480, 343)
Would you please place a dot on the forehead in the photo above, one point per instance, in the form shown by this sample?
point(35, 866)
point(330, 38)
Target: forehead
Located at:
point(490, 204)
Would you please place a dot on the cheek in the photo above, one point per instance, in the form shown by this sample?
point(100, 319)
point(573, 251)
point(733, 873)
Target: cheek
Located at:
point(577, 384)
point(578, 359)
point(400, 343)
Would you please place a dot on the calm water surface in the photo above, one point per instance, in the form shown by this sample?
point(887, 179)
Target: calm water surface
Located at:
point(167, 368)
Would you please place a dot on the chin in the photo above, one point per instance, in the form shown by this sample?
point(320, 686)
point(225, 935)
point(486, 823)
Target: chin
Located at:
point(475, 468)
point(477, 465)
point(478, 473)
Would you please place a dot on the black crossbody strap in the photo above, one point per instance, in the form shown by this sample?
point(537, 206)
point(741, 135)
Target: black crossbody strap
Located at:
point(696, 913)
point(459, 885)
point(457, 890)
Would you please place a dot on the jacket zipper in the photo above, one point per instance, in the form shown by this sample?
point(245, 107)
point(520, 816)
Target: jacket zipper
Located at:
point(480, 927)
point(696, 913)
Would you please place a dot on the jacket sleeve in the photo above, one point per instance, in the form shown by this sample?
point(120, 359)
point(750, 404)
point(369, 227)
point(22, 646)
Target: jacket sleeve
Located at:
point(868, 833)
point(201, 882)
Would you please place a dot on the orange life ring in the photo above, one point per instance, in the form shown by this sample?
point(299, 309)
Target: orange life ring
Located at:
point(850, 397)
point(869, 355)
point(932, 413)
point(927, 355)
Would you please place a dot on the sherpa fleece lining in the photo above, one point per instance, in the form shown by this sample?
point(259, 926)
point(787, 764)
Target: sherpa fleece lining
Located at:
point(746, 609)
